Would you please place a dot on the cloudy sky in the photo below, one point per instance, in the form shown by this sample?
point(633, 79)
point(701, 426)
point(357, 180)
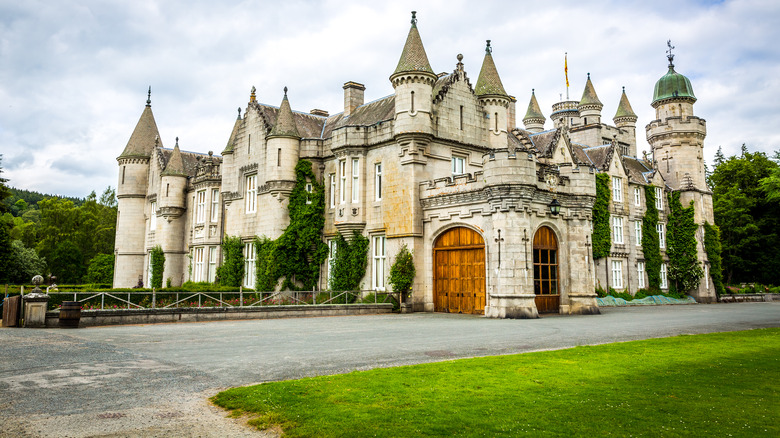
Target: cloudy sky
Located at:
point(74, 74)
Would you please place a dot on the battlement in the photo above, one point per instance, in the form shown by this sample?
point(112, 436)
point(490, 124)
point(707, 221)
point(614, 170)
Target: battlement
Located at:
point(683, 123)
point(450, 185)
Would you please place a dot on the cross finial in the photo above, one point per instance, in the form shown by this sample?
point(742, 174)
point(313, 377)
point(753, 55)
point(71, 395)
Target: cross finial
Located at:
point(669, 55)
point(488, 49)
point(149, 96)
point(414, 18)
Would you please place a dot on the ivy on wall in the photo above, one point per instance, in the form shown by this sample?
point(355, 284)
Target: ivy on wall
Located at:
point(602, 238)
point(157, 260)
point(685, 272)
point(713, 248)
point(231, 273)
point(350, 263)
point(651, 246)
point(296, 256)
point(402, 272)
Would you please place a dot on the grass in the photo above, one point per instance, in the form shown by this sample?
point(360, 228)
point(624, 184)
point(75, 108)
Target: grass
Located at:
point(721, 384)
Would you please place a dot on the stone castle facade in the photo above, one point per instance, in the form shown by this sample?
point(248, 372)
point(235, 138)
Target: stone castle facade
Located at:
point(439, 165)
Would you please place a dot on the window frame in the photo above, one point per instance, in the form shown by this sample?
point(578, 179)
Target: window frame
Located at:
point(637, 197)
point(342, 181)
point(332, 190)
point(249, 264)
point(200, 206)
point(250, 191)
point(617, 274)
point(212, 270)
point(458, 161)
point(214, 205)
point(378, 181)
point(153, 216)
point(659, 198)
point(617, 189)
point(355, 180)
point(379, 257)
point(197, 270)
point(664, 278)
point(640, 274)
point(638, 232)
point(661, 229)
point(617, 230)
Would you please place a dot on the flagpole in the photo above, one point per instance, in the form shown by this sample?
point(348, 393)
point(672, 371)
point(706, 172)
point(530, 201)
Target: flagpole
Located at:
point(566, 72)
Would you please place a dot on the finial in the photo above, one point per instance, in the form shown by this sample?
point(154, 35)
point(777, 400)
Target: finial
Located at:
point(533, 90)
point(252, 96)
point(488, 49)
point(239, 112)
point(624, 90)
point(285, 92)
point(669, 55)
point(460, 62)
point(211, 153)
point(460, 57)
point(414, 18)
point(149, 96)
point(588, 76)
point(177, 141)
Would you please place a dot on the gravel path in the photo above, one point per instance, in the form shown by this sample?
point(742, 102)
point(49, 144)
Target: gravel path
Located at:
point(155, 380)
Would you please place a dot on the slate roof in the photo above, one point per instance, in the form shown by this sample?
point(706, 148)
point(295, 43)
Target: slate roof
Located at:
point(189, 160)
point(489, 82)
point(578, 151)
point(534, 112)
point(624, 107)
point(544, 142)
point(142, 140)
point(175, 164)
point(232, 139)
point(413, 57)
point(308, 125)
point(637, 169)
point(589, 96)
point(600, 156)
point(285, 125)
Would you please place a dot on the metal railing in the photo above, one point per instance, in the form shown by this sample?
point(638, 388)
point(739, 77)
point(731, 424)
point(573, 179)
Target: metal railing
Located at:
point(166, 300)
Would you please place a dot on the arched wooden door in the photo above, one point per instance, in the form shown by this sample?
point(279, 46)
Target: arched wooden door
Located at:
point(546, 284)
point(459, 272)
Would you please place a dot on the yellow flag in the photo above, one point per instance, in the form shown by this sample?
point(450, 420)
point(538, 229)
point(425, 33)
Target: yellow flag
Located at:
point(566, 68)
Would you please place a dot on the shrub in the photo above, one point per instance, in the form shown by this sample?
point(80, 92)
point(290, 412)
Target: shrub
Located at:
point(402, 272)
point(101, 269)
point(158, 265)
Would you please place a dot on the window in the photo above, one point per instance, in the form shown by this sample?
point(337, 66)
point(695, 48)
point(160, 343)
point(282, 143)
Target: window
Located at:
point(461, 117)
point(249, 144)
point(249, 264)
point(637, 197)
point(617, 189)
point(212, 264)
point(661, 235)
point(638, 232)
point(331, 258)
point(200, 215)
point(412, 106)
point(251, 194)
point(457, 165)
point(279, 157)
point(640, 274)
point(617, 274)
point(378, 266)
point(343, 181)
point(197, 272)
point(659, 198)
point(355, 180)
point(332, 190)
point(617, 229)
point(214, 204)
point(153, 217)
point(378, 181)
point(664, 284)
point(308, 193)
point(123, 173)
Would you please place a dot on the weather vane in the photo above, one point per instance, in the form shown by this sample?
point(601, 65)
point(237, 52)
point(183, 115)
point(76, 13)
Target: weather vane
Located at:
point(670, 56)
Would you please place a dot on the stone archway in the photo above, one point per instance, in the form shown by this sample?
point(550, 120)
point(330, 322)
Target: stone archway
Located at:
point(546, 272)
point(459, 272)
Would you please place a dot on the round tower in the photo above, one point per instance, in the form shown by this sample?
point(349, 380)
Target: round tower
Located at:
point(172, 204)
point(494, 100)
point(625, 119)
point(590, 106)
point(131, 194)
point(413, 82)
point(283, 145)
point(534, 119)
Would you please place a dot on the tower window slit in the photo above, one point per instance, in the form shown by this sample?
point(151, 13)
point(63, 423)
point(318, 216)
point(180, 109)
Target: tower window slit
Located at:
point(279, 157)
point(496, 122)
point(412, 110)
point(461, 117)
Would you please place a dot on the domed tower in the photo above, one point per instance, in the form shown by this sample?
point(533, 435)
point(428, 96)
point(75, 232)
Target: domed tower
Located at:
point(413, 82)
point(534, 119)
point(172, 204)
point(131, 196)
point(590, 106)
point(494, 99)
point(625, 119)
point(677, 136)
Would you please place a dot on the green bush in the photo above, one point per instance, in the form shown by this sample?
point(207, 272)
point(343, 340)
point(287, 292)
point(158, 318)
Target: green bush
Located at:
point(100, 269)
point(231, 272)
point(402, 272)
point(158, 265)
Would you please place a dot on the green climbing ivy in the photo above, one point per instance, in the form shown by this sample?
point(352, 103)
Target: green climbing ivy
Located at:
point(713, 248)
point(402, 272)
point(602, 238)
point(651, 246)
point(296, 256)
point(685, 271)
point(157, 259)
point(349, 267)
point(231, 273)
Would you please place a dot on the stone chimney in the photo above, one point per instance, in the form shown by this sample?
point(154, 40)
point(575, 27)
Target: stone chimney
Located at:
point(512, 118)
point(353, 96)
point(319, 112)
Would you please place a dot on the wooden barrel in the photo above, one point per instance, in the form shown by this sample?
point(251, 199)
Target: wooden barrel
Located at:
point(70, 314)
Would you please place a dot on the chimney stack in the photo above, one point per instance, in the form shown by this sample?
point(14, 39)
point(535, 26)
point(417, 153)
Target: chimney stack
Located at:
point(353, 96)
point(512, 121)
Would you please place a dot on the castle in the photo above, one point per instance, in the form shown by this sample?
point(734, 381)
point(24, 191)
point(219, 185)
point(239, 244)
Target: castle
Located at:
point(499, 218)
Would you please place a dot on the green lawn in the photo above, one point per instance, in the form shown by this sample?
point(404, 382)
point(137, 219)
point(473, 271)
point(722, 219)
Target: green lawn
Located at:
point(721, 384)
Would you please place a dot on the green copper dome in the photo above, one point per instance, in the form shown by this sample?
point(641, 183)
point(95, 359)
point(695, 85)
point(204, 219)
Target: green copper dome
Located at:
point(673, 85)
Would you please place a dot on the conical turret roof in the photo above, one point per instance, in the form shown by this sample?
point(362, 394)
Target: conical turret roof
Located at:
point(489, 83)
point(231, 140)
point(175, 166)
point(589, 96)
point(142, 140)
point(534, 112)
point(413, 58)
point(624, 107)
point(285, 123)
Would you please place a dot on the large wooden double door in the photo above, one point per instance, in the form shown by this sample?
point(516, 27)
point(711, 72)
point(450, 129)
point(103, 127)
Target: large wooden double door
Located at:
point(546, 284)
point(459, 272)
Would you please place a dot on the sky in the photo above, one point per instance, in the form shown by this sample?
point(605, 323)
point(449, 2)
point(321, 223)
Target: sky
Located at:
point(74, 74)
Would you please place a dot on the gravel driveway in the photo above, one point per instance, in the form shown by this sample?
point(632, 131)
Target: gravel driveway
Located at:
point(155, 380)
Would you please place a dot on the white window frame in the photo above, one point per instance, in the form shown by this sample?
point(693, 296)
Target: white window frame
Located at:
point(309, 189)
point(200, 202)
point(458, 165)
point(379, 244)
point(214, 205)
point(212, 277)
point(197, 271)
point(617, 189)
point(343, 181)
point(149, 270)
point(153, 216)
point(332, 190)
point(355, 180)
point(249, 264)
point(640, 274)
point(617, 274)
point(617, 229)
point(377, 181)
point(332, 248)
point(251, 193)
point(664, 281)
point(661, 235)
point(637, 197)
point(659, 198)
point(638, 232)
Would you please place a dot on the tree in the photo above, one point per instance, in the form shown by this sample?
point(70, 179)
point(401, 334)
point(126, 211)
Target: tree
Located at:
point(6, 251)
point(101, 269)
point(402, 272)
point(25, 264)
point(4, 190)
point(67, 263)
point(157, 260)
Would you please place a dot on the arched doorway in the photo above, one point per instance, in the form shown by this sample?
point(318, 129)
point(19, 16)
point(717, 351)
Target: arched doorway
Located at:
point(546, 284)
point(459, 272)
